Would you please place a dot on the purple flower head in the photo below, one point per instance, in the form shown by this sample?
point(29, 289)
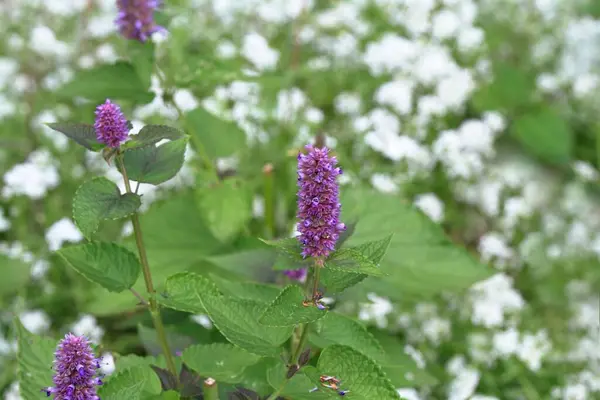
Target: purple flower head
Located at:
point(75, 370)
point(318, 202)
point(110, 125)
point(136, 18)
point(296, 274)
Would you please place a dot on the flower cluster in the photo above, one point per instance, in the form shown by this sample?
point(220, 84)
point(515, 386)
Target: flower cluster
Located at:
point(110, 125)
point(75, 365)
point(136, 18)
point(318, 202)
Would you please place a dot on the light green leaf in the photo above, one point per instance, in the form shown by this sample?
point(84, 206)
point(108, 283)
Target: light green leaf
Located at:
point(223, 362)
point(300, 386)
point(152, 134)
point(247, 290)
point(421, 261)
point(35, 356)
point(134, 383)
point(545, 134)
point(170, 395)
point(287, 309)
point(184, 291)
point(82, 134)
point(238, 322)
point(116, 81)
point(220, 138)
point(359, 373)
point(290, 248)
point(511, 88)
point(255, 376)
point(112, 266)
point(142, 58)
point(226, 207)
point(100, 199)
point(155, 164)
point(14, 273)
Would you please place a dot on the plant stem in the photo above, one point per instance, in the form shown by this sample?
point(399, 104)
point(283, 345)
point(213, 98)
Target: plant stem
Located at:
point(210, 389)
point(316, 277)
point(152, 304)
point(301, 344)
point(278, 391)
point(269, 194)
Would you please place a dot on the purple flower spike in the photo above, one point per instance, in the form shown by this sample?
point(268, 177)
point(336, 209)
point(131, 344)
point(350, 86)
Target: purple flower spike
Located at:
point(296, 274)
point(136, 19)
point(75, 370)
point(110, 125)
point(318, 202)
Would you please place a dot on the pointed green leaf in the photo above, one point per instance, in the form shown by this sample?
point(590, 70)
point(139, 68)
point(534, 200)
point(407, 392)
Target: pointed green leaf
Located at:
point(300, 386)
point(290, 248)
point(135, 383)
point(155, 164)
point(116, 81)
point(247, 290)
point(238, 322)
point(254, 377)
point(34, 355)
point(223, 362)
point(226, 207)
point(184, 291)
point(82, 134)
point(219, 137)
point(100, 199)
point(152, 134)
point(359, 373)
point(287, 309)
point(112, 266)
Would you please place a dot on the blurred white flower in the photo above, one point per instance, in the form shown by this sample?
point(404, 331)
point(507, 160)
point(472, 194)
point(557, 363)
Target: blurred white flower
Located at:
point(60, 232)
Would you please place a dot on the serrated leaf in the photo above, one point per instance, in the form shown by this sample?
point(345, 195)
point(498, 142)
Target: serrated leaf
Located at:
point(247, 290)
point(152, 134)
point(155, 164)
point(35, 356)
point(254, 377)
point(226, 207)
point(223, 362)
point(299, 386)
point(82, 134)
point(237, 320)
point(220, 138)
point(545, 134)
point(135, 383)
point(14, 273)
point(113, 267)
point(100, 199)
point(290, 248)
point(184, 291)
point(287, 309)
point(359, 373)
point(116, 81)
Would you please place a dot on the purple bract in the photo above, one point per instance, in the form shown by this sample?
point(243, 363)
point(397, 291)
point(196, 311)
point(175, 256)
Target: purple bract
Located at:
point(296, 274)
point(110, 125)
point(318, 202)
point(75, 369)
point(136, 19)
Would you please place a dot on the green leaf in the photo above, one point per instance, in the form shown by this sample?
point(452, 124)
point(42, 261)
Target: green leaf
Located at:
point(247, 290)
point(152, 134)
point(142, 58)
point(287, 309)
point(290, 248)
point(300, 386)
point(511, 88)
point(545, 134)
point(35, 356)
point(255, 376)
point(82, 134)
point(155, 164)
point(135, 383)
point(350, 261)
point(112, 266)
point(421, 261)
point(219, 138)
point(359, 373)
point(100, 199)
point(223, 362)
point(116, 81)
point(226, 207)
point(237, 320)
point(151, 342)
point(184, 291)
point(14, 273)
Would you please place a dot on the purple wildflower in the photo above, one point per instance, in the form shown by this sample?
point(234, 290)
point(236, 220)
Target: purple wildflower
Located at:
point(136, 18)
point(75, 370)
point(110, 125)
point(318, 202)
point(296, 274)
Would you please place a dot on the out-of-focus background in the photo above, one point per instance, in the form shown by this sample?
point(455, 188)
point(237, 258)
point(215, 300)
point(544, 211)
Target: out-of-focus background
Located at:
point(483, 114)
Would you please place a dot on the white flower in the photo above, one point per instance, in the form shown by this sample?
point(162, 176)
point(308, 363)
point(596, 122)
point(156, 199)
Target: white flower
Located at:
point(397, 94)
point(506, 342)
point(256, 49)
point(203, 320)
point(107, 364)
point(88, 326)
point(493, 246)
point(492, 299)
point(445, 24)
point(60, 232)
point(35, 321)
point(464, 384)
point(533, 348)
point(377, 310)
point(409, 394)
point(185, 100)
point(384, 183)
point(33, 178)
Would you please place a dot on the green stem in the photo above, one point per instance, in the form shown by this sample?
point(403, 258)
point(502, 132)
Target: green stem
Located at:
point(278, 391)
point(301, 344)
point(210, 389)
point(152, 304)
point(316, 278)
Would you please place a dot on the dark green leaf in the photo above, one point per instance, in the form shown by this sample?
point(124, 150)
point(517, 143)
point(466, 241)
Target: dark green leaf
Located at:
point(100, 199)
point(223, 362)
point(134, 383)
point(152, 134)
point(112, 266)
point(287, 309)
point(34, 355)
point(82, 134)
point(184, 291)
point(289, 247)
point(247, 290)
